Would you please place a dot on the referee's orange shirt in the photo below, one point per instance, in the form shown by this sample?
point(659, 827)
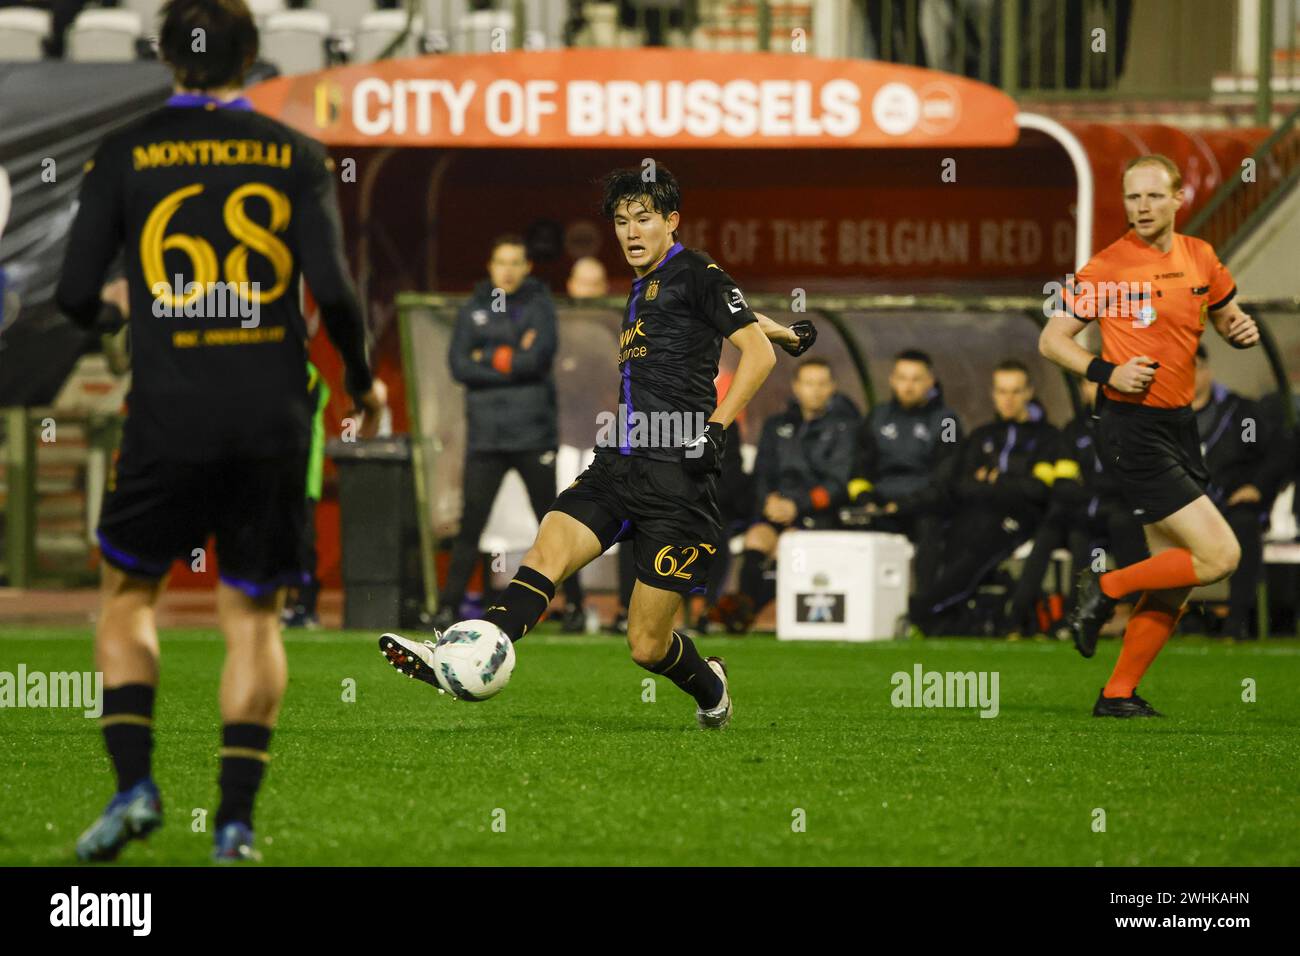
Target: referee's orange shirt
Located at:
point(1152, 303)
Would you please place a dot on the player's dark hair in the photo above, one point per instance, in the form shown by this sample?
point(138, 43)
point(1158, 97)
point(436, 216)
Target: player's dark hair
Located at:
point(813, 362)
point(229, 44)
point(1013, 365)
point(659, 194)
point(915, 355)
point(509, 239)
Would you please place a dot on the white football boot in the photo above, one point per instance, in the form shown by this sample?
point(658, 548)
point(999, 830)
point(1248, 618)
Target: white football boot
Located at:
point(412, 658)
point(719, 716)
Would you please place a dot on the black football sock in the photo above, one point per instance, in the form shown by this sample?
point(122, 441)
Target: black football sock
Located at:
point(751, 575)
point(684, 667)
point(766, 591)
point(127, 726)
point(522, 604)
point(243, 761)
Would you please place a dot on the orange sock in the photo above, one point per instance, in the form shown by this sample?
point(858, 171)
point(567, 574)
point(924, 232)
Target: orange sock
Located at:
point(1171, 568)
point(1147, 631)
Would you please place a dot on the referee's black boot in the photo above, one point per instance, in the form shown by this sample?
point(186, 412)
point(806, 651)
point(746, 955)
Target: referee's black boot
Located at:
point(1131, 706)
point(1092, 609)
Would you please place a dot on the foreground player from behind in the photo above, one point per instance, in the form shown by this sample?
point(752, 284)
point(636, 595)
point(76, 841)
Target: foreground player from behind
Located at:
point(1152, 292)
point(653, 483)
point(218, 212)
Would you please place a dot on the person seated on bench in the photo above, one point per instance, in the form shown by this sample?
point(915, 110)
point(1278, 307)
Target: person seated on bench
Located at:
point(1248, 454)
point(1085, 514)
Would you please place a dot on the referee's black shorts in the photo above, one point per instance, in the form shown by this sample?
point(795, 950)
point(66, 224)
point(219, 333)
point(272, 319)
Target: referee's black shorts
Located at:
point(671, 517)
point(158, 510)
point(1155, 453)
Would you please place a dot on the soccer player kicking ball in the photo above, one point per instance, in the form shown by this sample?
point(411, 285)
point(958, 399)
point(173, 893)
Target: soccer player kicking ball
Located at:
point(1152, 291)
point(653, 483)
point(218, 212)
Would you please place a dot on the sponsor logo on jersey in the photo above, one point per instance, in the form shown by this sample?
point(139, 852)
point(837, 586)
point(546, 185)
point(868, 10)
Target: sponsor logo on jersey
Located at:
point(735, 301)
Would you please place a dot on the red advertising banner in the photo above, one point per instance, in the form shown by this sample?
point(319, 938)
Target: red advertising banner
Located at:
point(639, 98)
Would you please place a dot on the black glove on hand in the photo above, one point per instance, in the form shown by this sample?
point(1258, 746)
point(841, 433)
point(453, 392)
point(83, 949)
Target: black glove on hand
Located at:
point(807, 333)
point(702, 455)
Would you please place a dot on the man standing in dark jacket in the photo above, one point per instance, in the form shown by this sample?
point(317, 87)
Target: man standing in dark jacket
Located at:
point(1003, 475)
point(1248, 456)
point(801, 476)
point(501, 351)
point(906, 453)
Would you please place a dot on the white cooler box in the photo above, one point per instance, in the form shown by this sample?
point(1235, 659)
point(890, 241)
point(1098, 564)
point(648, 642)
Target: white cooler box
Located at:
point(841, 585)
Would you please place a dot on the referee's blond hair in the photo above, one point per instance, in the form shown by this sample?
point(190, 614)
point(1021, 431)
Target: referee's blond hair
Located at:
point(1156, 159)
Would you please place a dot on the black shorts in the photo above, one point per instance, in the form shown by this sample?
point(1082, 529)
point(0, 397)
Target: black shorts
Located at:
point(157, 510)
point(671, 517)
point(1155, 453)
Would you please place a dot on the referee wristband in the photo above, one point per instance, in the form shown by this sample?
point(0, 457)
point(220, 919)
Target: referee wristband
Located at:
point(1099, 371)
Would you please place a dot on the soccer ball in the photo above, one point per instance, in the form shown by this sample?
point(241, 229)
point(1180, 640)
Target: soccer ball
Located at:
point(473, 660)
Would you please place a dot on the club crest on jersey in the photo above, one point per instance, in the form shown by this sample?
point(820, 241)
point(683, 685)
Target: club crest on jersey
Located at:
point(652, 290)
point(890, 431)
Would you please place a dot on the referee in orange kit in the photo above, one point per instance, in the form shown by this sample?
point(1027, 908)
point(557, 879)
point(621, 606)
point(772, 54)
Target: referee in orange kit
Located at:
point(1152, 292)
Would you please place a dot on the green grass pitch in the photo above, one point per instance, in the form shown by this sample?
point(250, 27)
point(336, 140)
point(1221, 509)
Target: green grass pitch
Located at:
point(571, 765)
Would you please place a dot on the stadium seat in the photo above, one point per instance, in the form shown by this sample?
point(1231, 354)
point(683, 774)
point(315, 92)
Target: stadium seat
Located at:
point(475, 31)
point(442, 20)
point(379, 29)
point(21, 32)
point(345, 15)
point(544, 24)
point(294, 40)
point(104, 36)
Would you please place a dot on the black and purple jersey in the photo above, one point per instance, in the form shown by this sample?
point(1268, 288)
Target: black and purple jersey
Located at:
point(668, 350)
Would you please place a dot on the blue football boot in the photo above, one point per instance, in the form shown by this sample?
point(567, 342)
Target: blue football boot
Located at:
point(131, 815)
point(234, 844)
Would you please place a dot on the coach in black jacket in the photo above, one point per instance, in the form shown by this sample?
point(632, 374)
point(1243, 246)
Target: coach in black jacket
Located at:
point(906, 452)
point(801, 477)
point(501, 351)
point(1001, 482)
point(1248, 456)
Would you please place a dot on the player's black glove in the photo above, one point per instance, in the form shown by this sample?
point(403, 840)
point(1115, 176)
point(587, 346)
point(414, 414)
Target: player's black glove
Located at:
point(702, 455)
point(807, 333)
